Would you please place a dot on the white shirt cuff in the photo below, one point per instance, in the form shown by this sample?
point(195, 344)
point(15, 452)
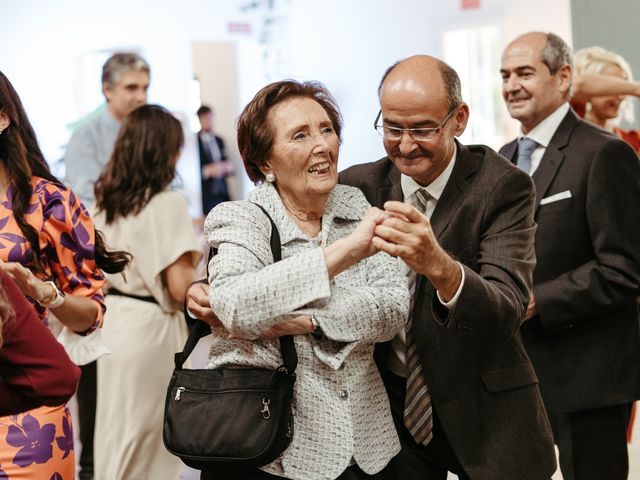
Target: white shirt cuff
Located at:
point(452, 303)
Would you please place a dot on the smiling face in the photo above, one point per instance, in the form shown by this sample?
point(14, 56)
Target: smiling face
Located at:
point(530, 90)
point(606, 108)
point(128, 94)
point(304, 155)
point(414, 96)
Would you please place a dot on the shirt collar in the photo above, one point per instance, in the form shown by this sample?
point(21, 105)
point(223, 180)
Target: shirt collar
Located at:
point(435, 188)
point(544, 131)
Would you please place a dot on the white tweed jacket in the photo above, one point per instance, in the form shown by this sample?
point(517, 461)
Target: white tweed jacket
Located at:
point(340, 406)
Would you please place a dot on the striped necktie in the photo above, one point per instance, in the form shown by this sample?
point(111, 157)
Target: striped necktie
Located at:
point(417, 403)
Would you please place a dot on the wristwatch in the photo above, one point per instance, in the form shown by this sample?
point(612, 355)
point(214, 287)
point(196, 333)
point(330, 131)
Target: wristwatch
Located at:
point(317, 331)
point(58, 297)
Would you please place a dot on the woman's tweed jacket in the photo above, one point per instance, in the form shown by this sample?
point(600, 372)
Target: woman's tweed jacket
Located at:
point(341, 409)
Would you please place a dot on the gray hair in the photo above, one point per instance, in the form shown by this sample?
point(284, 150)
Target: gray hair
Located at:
point(121, 63)
point(556, 53)
point(449, 77)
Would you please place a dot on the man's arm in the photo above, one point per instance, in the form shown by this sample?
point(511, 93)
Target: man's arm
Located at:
point(498, 287)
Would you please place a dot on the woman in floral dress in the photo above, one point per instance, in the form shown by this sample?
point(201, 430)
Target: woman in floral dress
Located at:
point(49, 247)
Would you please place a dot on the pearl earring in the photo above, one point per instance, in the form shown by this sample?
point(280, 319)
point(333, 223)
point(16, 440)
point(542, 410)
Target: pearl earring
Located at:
point(270, 177)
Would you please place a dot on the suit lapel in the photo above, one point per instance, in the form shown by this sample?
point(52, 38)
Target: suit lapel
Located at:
point(450, 201)
point(455, 190)
point(553, 156)
point(391, 190)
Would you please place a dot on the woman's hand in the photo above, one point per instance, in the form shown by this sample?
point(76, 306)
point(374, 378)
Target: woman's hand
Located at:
point(198, 304)
point(300, 325)
point(361, 238)
point(29, 284)
point(358, 245)
point(76, 312)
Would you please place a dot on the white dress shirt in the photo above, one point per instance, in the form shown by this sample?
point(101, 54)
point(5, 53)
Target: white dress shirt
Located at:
point(543, 132)
point(397, 363)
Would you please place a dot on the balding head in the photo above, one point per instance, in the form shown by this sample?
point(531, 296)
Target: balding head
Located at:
point(554, 51)
point(417, 95)
point(422, 68)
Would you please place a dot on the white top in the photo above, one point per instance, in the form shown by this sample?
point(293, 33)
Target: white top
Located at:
point(156, 237)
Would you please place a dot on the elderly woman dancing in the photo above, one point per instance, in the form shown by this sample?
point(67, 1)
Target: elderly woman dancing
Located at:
point(332, 290)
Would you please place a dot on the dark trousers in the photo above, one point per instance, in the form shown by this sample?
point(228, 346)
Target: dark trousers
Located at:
point(86, 395)
point(593, 443)
point(351, 473)
point(432, 462)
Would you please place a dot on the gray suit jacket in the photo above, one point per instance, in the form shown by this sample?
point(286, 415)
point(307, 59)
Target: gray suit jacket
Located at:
point(585, 344)
point(483, 386)
point(341, 410)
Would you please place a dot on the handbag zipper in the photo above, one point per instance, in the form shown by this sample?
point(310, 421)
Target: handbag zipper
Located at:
point(266, 400)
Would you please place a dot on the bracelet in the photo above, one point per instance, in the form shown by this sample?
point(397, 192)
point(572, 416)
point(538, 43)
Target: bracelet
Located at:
point(317, 331)
point(57, 298)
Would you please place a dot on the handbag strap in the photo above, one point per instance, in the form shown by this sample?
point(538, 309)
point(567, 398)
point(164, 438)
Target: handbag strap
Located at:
point(202, 329)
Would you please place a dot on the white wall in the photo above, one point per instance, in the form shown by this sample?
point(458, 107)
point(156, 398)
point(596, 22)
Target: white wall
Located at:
point(348, 45)
point(345, 44)
point(43, 39)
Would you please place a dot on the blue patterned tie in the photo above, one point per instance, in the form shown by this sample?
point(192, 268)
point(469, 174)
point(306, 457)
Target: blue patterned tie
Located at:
point(417, 402)
point(526, 146)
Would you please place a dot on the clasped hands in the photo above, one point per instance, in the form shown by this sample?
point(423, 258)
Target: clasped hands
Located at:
point(399, 230)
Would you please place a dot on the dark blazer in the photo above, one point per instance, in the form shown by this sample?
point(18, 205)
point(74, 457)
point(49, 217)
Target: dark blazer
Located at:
point(482, 383)
point(214, 190)
point(585, 343)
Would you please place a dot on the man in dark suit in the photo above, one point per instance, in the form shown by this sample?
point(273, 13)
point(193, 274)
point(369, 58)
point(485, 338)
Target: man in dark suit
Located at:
point(581, 325)
point(213, 162)
point(464, 230)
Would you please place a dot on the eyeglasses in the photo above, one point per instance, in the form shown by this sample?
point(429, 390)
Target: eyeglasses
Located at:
point(418, 134)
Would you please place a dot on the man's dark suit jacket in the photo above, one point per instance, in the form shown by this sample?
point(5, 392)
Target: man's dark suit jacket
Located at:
point(585, 343)
point(482, 383)
point(214, 190)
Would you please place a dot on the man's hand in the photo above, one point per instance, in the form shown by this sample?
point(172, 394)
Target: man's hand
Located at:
point(198, 304)
point(532, 309)
point(299, 325)
point(408, 234)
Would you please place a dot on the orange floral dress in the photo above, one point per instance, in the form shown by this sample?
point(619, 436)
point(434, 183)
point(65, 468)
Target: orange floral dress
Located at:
point(38, 444)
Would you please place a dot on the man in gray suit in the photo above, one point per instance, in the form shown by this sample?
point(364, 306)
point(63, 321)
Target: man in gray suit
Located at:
point(463, 392)
point(581, 326)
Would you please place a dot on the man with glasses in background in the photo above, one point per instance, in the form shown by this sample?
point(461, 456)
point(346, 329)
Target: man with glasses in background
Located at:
point(463, 392)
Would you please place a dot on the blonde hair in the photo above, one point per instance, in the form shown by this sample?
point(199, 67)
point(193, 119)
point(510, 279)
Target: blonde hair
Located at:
point(593, 60)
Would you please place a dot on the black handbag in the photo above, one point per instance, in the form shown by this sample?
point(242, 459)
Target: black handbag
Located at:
point(230, 419)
